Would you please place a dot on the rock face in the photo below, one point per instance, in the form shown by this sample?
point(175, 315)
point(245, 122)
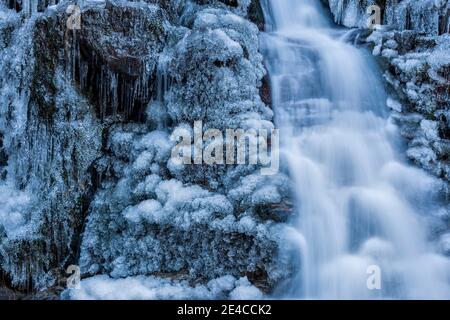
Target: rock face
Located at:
point(119, 47)
point(50, 139)
point(86, 118)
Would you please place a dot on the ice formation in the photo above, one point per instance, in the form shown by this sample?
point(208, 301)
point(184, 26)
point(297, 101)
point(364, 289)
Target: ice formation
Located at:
point(429, 16)
point(152, 288)
point(86, 119)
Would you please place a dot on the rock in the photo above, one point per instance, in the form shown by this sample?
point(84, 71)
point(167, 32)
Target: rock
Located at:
point(8, 294)
point(119, 49)
point(256, 15)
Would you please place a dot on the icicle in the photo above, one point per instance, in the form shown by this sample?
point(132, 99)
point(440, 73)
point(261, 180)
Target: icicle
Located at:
point(30, 7)
point(162, 85)
point(114, 95)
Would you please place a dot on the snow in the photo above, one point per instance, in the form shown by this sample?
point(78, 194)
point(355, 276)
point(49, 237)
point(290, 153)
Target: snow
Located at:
point(149, 210)
point(153, 288)
point(389, 53)
point(245, 291)
point(394, 104)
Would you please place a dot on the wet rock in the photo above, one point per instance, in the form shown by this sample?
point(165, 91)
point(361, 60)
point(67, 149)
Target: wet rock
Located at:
point(265, 92)
point(279, 212)
point(256, 15)
point(119, 46)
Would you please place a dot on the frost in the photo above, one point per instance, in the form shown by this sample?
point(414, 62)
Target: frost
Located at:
point(416, 72)
point(429, 129)
point(149, 210)
point(13, 206)
point(422, 155)
point(267, 194)
point(430, 16)
point(247, 224)
point(438, 60)
point(228, 63)
point(394, 105)
point(50, 139)
point(389, 53)
point(153, 288)
point(245, 291)
point(85, 130)
point(392, 44)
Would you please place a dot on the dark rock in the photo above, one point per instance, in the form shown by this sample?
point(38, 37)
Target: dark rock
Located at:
point(264, 91)
point(3, 155)
point(8, 294)
point(256, 14)
point(278, 212)
point(113, 57)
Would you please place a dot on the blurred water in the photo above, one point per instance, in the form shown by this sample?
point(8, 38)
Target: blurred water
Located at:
point(360, 207)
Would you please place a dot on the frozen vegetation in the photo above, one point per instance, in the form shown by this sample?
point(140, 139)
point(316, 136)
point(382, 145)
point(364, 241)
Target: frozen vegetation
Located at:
point(86, 123)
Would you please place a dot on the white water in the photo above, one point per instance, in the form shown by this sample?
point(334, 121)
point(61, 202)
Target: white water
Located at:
point(359, 205)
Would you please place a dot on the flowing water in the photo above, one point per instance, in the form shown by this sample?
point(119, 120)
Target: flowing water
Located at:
point(360, 226)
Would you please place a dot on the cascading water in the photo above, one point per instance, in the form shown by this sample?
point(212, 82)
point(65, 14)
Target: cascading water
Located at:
point(361, 210)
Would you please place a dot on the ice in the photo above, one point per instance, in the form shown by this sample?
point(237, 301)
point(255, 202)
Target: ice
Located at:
point(394, 105)
point(245, 291)
point(418, 15)
point(13, 207)
point(153, 288)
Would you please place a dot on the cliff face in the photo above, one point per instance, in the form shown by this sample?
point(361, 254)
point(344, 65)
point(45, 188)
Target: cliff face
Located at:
point(86, 117)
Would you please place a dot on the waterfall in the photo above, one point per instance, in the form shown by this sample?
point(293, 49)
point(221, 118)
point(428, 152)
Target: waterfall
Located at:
point(361, 210)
